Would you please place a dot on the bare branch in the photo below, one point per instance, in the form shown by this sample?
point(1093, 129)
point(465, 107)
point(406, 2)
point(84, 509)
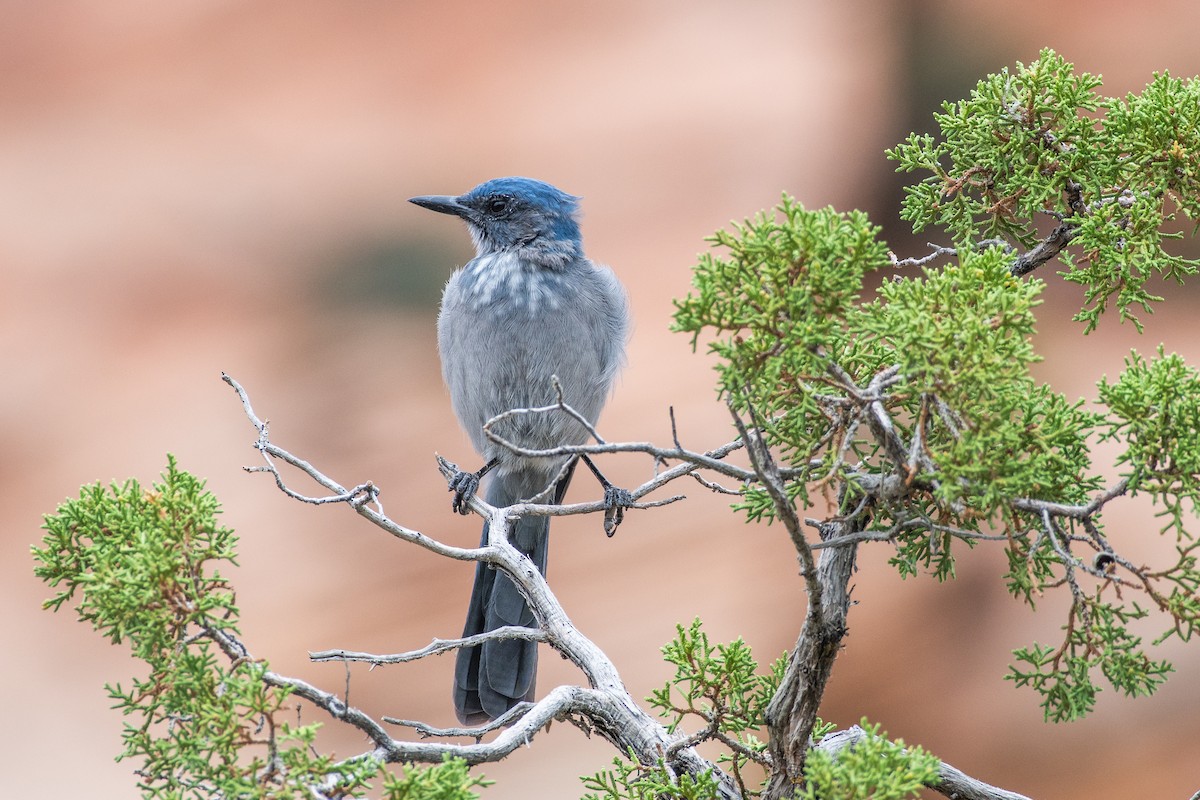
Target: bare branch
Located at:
point(1080, 512)
point(878, 420)
point(561, 405)
point(710, 460)
point(785, 511)
point(1022, 265)
point(1045, 250)
point(326, 701)
point(477, 732)
point(606, 708)
point(436, 647)
point(938, 252)
point(365, 492)
point(716, 487)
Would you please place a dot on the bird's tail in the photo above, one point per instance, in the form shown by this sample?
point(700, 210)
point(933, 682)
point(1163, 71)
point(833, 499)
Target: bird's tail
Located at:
point(491, 678)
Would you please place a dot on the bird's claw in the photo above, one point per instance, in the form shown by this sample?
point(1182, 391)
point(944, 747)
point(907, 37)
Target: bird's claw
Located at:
point(464, 485)
point(616, 500)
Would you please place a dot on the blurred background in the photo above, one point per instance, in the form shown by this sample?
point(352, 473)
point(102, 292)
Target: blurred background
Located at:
point(193, 187)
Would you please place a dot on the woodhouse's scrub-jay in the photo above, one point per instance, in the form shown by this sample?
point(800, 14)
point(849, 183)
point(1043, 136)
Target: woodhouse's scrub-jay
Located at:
point(529, 306)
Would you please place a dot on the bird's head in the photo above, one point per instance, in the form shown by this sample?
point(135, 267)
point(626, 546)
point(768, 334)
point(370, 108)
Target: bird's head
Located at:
point(516, 214)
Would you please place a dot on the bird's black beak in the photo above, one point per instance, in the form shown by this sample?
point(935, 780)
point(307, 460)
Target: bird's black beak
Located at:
point(443, 204)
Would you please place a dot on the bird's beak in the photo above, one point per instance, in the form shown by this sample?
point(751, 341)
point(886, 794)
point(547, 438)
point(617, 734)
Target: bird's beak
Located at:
point(443, 204)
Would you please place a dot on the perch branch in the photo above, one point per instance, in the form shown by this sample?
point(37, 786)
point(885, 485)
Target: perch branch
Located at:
point(605, 707)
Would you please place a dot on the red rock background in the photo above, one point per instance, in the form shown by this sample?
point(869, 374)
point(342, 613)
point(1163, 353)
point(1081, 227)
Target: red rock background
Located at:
point(193, 187)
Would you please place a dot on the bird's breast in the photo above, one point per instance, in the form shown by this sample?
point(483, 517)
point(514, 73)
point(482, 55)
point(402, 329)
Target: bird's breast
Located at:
point(504, 283)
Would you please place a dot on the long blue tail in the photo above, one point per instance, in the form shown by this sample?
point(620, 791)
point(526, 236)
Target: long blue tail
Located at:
point(491, 678)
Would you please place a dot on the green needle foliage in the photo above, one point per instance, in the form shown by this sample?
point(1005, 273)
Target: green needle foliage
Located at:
point(141, 566)
point(783, 291)
point(629, 780)
point(719, 686)
point(875, 769)
point(919, 401)
point(718, 683)
point(1155, 413)
point(1004, 154)
point(1036, 144)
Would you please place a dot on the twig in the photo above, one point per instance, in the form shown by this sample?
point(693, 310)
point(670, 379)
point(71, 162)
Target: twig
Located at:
point(1085, 511)
point(716, 487)
point(938, 252)
point(477, 732)
point(363, 493)
point(710, 460)
point(436, 647)
point(785, 511)
point(326, 701)
point(561, 405)
point(1045, 250)
point(878, 419)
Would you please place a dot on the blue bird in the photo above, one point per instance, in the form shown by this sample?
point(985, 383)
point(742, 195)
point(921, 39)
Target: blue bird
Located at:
point(529, 306)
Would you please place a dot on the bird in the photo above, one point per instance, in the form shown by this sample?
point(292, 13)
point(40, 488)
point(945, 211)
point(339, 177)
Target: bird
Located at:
point(529, 310)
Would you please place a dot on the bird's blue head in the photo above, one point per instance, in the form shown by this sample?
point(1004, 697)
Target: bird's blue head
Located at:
point(521, 214)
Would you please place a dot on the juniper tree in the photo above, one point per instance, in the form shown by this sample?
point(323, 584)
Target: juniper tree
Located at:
point(906, 417)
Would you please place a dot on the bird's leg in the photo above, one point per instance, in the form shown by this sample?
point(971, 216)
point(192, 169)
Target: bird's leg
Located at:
point(465, 484)
point(616, 499)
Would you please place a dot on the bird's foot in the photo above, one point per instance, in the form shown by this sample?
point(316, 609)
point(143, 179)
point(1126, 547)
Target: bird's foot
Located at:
point(616, 500)
point(464, 485)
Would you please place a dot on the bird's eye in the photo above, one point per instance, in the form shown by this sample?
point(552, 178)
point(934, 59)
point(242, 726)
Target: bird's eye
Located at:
point(497, 205)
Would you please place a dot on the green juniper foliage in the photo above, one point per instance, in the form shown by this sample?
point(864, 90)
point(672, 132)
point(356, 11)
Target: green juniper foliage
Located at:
point(629, 780)
point(718, 683)
point(141, 566)
point(920, 400)
point(875, 769)
point(1036, 144)
point(1155, 412)
point(719, 686)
